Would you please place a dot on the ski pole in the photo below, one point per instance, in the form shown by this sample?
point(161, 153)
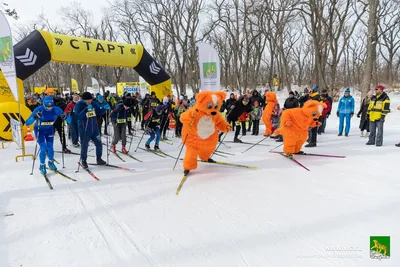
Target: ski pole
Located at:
point(276, 147)
point(107, 128)
point(183, 143)
point(37, 140)
point(255, 144)
point(223, 138)
point(145, 129)
point(65, 142)
point(83, 142)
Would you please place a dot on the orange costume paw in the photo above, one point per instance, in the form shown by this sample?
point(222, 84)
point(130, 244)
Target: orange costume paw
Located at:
point(200, 127)
point(295, 123)
point(269, 108)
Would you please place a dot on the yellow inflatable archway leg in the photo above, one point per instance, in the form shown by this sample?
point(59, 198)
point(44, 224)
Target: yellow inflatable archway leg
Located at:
point(162, 89)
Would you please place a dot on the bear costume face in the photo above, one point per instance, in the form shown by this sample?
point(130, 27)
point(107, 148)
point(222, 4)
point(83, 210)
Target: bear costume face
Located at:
point(209, 102)
point(313, 109)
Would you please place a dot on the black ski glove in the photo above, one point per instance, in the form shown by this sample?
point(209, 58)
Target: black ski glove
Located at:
point(38, 115)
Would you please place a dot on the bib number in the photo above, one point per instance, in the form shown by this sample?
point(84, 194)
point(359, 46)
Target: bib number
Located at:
point(47, 123)
point(121, 120)
point(90, 114)
point(238, 123)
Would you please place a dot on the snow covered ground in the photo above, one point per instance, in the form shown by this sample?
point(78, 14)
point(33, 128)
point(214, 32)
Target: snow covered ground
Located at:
point(276, 215)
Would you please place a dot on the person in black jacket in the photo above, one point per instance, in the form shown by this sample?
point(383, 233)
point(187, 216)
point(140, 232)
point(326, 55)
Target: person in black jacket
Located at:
point(119, 117)
point(324, 94)
point(145, 108)
point(167, 103)
point(314, 131)
point(291, 102)
point(58, 124)
point(228, 104)
point(237, 109)
point(255, 97)
point(304, 98)
point(153, 126)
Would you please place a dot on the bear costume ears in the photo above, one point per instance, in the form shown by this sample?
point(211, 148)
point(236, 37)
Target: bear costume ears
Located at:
point(200, 97)
point(313, 105)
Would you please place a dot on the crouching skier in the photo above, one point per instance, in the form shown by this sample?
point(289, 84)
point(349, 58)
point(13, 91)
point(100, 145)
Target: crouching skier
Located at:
point(119, 117)
point(86, 112)
point(45, 116)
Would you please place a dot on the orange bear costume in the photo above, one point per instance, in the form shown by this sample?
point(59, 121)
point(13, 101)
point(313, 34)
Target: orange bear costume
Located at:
point(200, 128)
point(266, 117)
point(295, 123)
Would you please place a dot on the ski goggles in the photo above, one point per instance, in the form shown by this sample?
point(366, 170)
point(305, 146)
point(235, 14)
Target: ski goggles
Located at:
point(49, 105)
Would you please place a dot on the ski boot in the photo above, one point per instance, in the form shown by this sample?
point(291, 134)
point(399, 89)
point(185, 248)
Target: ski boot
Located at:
point(42, 168)
point(147, 146)
point(113, 149)
point(210, 160)
point(311, 145)
point(84, 164)
point(100, 161)
point(76, 145)
point(340, 134)
point(66, 150)
point(124, 150)
point(237, 140)
point(156, 148)
point(52, 166)
point(186, 172)
point(398, 145)
point(290, 156)
point(300, 153)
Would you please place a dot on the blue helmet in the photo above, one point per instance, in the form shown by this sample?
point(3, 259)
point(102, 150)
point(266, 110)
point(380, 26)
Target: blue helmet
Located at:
point(48, 101)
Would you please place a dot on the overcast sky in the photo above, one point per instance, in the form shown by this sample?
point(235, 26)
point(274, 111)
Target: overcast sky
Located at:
point(28, 10)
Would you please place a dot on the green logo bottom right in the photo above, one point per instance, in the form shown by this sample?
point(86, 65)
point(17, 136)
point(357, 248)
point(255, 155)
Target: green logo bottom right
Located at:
point(379, 247)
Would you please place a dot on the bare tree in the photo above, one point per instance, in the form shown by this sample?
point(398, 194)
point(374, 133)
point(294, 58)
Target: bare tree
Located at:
point(8, 11)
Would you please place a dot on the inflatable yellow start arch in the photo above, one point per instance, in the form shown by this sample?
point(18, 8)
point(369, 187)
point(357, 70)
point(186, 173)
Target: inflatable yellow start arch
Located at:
point(40, 47)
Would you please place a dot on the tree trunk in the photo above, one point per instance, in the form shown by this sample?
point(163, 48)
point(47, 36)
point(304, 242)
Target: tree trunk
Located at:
point(372, 39)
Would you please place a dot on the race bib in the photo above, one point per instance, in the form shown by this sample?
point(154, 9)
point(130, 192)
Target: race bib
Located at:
point(47, 123)
point(238, 123)
point(121, 120)
point(90, 114)
point(155, 120)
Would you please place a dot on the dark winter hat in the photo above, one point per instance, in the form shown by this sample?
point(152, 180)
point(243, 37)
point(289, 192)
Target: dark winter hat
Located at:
point(347, 90)
point(87, 96)
point(127, 102)
point(153, 93)
point(245, 99)
point(291, 93)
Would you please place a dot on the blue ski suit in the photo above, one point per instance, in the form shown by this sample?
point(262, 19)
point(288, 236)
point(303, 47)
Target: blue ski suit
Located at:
point(345, 112)
point(44, 130)
point(87, 126)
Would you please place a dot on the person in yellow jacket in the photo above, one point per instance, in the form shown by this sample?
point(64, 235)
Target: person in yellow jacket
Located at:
point(379, 107)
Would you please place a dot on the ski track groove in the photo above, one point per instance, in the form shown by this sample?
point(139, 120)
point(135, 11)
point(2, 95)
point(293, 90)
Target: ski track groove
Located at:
point(232, 241)
point(98, 227)
point(122, 226)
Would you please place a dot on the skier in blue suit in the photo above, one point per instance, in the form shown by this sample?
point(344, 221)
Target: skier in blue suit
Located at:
point(45, 116)
point(86, 111)
point(345, 111)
